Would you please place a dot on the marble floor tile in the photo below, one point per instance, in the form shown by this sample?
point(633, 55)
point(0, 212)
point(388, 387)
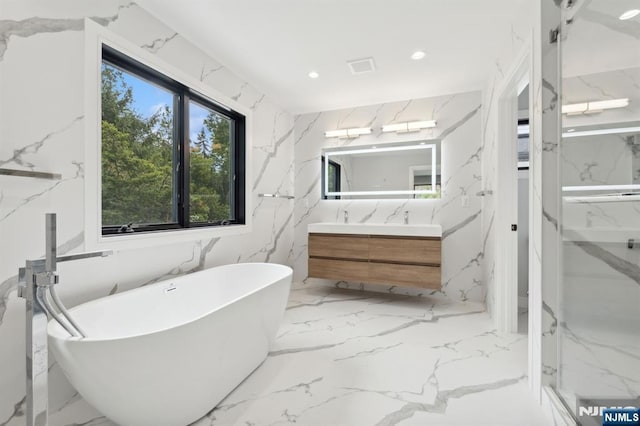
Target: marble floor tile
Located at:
point(346, 357)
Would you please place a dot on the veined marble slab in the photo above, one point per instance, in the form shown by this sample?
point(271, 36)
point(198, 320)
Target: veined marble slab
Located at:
point(53, 139)
point(426, 230)
point(353, 358)
point(459, 118)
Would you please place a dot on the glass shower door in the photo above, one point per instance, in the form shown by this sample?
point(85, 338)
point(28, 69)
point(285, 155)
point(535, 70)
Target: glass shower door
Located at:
point(599, 310)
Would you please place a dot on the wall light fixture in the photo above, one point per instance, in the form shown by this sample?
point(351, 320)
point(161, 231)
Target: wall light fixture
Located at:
point(593, 107)
point(410, 126)
point(354, 132)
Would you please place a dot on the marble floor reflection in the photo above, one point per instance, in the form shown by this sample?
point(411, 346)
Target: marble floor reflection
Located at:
point(345, 357)
point(599, 343)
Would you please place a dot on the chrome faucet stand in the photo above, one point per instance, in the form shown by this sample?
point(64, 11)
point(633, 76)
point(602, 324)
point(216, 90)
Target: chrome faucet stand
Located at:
point(36, 283)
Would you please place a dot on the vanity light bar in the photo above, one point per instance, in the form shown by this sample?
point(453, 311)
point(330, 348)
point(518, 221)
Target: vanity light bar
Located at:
point(409, 126)
point(594, 106)
point(348, 133)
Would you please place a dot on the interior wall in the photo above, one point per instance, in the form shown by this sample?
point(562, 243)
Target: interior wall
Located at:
point(367, 176)
point(529, 32)
point(458, 125)
point(612, 84)
point(546, 92)
point(597, 160)
point(517, 38)
point(42, 128)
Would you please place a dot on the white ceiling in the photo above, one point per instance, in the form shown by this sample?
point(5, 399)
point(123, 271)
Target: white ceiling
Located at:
point(274, 44)
point(597, 41)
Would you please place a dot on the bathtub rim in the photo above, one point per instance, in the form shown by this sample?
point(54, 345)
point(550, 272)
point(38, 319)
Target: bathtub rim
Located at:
point(56, 332)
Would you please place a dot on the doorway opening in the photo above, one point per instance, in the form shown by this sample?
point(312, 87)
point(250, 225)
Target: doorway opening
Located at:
point(513, 197)
point(523, 144)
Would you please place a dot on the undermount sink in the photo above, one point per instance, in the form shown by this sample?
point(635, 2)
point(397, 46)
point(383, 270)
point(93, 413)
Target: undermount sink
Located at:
point(426, 230)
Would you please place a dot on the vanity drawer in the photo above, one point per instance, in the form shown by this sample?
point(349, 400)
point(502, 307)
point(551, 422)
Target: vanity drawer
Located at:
point(339, 246)
point(405, 250)
point(335, 269)
point(412, 275)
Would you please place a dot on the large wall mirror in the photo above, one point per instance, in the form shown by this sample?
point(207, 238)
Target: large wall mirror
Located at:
point(386, 171)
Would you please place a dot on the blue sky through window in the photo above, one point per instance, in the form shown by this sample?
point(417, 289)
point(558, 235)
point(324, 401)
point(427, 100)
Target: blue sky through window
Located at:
point(197, 115)
point(148, 98)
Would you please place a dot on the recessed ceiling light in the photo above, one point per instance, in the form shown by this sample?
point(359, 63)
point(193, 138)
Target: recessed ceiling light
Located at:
point(629, 14)
point(313, 74)
point(417, 55)
point(571, 130)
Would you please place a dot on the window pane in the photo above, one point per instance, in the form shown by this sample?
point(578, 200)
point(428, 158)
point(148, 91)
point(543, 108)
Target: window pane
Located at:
point(210, 188)
point(333, 177)
point(426, 185)
point(137, 150)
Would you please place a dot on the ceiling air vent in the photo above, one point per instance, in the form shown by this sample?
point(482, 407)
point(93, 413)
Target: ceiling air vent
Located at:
point(361, 66)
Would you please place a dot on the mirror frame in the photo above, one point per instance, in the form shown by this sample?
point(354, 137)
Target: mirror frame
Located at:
point(414, 145)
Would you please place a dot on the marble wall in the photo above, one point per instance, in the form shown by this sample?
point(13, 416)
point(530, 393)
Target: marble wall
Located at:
point(42, 128)
point(607, 159)
point(597, 160)
point(524, 42)
point(459, 122)
point(545, 173)
point(610, 84)
point(44, 131)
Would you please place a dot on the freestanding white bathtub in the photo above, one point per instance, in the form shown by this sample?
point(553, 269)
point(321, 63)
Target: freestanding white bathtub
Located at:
point(167, 353)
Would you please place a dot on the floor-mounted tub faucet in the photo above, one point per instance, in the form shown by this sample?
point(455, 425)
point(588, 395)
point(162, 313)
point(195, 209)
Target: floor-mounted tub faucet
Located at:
point(36, 284)
point(406, 217)
point(346, 216)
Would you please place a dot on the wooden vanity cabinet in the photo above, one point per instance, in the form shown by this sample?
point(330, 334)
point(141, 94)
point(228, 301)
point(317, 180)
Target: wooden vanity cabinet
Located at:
point(380, 259)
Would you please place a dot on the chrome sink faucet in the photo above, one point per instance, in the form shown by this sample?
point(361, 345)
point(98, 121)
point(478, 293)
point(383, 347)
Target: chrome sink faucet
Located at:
point(406, 217)
point(346, 216)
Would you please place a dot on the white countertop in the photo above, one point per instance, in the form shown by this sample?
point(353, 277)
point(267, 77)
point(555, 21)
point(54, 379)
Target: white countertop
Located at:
point(426, 230)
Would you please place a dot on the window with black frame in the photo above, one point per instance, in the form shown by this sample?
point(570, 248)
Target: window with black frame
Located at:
point(171, 158)
point(334, 177)
point(423, 182)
